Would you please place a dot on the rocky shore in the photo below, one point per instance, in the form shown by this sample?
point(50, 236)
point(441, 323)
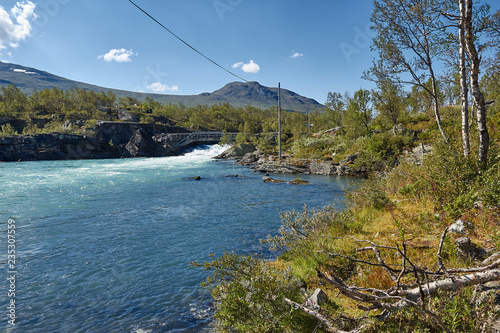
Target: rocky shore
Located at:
point(247, 154)
point(111, 140)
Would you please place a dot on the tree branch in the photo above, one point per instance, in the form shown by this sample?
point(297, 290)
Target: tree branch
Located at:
point(325, 321)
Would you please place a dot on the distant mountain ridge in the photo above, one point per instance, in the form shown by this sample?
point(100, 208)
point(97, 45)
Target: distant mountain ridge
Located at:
point(238, 94)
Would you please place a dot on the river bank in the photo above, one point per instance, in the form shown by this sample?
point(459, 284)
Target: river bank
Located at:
point(258, 161)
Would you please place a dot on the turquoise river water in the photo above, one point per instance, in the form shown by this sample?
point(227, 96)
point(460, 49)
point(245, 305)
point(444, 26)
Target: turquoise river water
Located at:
point(105, 245)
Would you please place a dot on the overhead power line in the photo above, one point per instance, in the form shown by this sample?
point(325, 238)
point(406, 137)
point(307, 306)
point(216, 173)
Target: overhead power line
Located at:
point(186, 43)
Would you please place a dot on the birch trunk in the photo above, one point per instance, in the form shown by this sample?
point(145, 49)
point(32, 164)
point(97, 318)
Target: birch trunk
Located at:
point(464, 95)
point(475, 60)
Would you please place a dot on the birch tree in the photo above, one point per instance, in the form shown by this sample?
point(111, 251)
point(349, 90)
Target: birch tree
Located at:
point(464, 91)
point(467, 19)
point(408, 43)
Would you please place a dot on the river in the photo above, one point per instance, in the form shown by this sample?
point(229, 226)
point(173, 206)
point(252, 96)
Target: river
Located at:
point(105, 245)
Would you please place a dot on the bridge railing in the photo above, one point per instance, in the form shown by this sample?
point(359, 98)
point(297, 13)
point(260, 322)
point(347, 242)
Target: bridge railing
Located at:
point(182, 139)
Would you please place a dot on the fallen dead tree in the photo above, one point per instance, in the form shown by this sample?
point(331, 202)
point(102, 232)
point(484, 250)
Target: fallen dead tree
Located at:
point(420, 283)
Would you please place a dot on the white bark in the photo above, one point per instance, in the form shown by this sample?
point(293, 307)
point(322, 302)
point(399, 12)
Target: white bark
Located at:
point(464, 95)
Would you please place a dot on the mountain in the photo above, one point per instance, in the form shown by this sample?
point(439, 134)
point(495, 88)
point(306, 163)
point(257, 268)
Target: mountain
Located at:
point(238, 94)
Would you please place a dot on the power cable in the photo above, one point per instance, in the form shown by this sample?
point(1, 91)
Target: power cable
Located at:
point(186, 43)
point(286, 101)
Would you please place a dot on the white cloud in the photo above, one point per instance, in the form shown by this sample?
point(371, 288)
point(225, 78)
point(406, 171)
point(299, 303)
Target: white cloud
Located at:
point(118, 55)
point(15, 26)
point(296, 55)
point(238, 64)
point(160, 87)
point(250, 67)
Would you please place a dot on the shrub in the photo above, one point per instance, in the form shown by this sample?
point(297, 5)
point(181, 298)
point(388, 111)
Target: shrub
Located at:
point(310, 147)
point(249, 296)
point(372, 194)
point(489, 187)
point(457, 310)
point(7, 130)
point(299, 228)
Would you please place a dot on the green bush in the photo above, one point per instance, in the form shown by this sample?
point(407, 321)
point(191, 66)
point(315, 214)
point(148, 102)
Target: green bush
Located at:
point(317, 148)
point(7, 130)
point(249, 296)
point(489, 187)
point(457, 311)
point(448, 178)
point(299, 228)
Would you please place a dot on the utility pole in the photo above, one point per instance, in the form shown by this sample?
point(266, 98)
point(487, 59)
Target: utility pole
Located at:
point(308, 123)
point(279, 121)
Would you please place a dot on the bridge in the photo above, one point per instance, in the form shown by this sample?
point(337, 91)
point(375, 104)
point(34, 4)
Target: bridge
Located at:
point(185, 139)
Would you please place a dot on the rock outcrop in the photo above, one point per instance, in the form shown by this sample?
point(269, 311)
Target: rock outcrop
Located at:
point(54, 146)
point(237, 151)
point(260, 162)
point(111, 140)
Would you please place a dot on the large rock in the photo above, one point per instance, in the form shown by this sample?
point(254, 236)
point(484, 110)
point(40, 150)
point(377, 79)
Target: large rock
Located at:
point(141, 144)
point(237, 151)
point(323, 168)
point(252, 158)
point(317, 299)
point(468, 250)
point(349, 159)
point(417, 154)
point(128, 116)
point(460, 227)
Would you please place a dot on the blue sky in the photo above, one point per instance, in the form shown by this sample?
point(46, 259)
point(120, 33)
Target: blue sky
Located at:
point(310, 47)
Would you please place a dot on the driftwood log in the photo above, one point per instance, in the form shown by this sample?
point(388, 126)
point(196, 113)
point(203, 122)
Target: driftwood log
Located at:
point(425, 283)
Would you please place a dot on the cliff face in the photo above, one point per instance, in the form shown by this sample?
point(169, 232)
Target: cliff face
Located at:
point(112, 140)
point(53, 146)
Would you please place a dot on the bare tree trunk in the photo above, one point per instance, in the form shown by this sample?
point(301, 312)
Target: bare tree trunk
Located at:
point(484, 138)
point(464, 95)
point(434, 94)
point(436, 105)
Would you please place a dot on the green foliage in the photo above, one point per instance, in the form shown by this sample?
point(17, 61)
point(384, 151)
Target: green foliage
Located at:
point(226, 139)
point(12, 101)
point(448, 177)
point(489, 187)
point(372, 194)
point(335, 107)
point(380, 149)
point(91, 123)
point(389, 101)
point(457, 311)
point(249, 296)
point(318, 148)
point(386, 146)
point(299, 228)
point(146, 119)
point(7, 130)
point(358, 114)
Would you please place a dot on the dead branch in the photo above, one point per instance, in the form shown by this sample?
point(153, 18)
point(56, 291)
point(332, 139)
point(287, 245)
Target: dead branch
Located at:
point(452, 283)
point(439, 258)
point(325, 321)
point(423, 281)
point(381, 261)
